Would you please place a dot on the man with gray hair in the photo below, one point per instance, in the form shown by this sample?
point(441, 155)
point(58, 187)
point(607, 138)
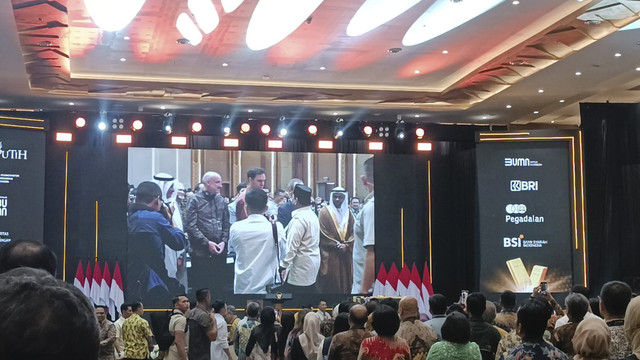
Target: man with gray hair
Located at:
point(207, 224)
point(577, 306)
point(284, 212)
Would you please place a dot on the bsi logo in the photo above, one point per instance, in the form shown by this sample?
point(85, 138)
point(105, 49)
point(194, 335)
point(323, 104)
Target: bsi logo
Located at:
point(4, 204)
point(516, 209)
point(523, 185)
point(519, 162)
point(512, 242)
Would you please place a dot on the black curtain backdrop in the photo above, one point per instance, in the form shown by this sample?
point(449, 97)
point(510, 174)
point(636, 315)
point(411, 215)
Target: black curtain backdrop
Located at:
point(612, 174)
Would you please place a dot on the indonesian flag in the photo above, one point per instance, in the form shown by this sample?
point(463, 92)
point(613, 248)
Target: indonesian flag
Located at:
point(378, 286)
point(116, 295)
point(95, 285)
point(427, 288)
point(104, 289)
point(414, 290)
point(87, 282)
point(391, 284)
point(403, 280)
point(78, 281)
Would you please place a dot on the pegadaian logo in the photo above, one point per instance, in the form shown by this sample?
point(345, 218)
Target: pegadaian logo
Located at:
point(12, 154)
point(519, 162)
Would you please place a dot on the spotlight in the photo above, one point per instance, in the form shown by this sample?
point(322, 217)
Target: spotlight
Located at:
point(376, 146)
point(102, 126)
point(274, 144)
point(424, 146)
point(196, 127)
point(367, 130)
point(227, 131)
point(179, 140)
point(400, 129)
point(339, 133)
point(167, 123)
point(81, 122)
point(325, 144)
point(231, 143)
point(312, 130)
point(265, 129)
point(339, 129)
point(124, 139)
point(137, 125)
point(419, 133)
point(283, 132)
point(64, 137)
point(245, 128)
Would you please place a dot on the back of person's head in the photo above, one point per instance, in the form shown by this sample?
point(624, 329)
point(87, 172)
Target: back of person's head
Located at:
point(455, 307)
point(287, 320)
point(489, 314)
point(476, 304)
point(456, 328)
point(579, 289)
point(532, 317)
point(218, 305)
point(27, 253)
point(267, 316)
point(371, 306)
point(392, 303)
point(592, 339)
point(632, 322)
point(240, 186)
point(341, 323)
point(344, 307)
point(44, 318)
point(508, 300)
point(437, 304)
point(615, 296)
point(256, 200)
point(303, 194)
point(368, 169)
point(253, 309)
point(594, 304)
point(202, 295)
point(577, 306)
point(292, 183)
point(385, 321)
point(147, 191)
point(358, 315)
point(299, 324)
point(135, 306)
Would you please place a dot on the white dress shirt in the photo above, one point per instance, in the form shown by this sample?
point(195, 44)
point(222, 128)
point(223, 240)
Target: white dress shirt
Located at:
point(364, 235)
point(221, 343)
point(256, 262)
point(302, 260)
point(565, 319)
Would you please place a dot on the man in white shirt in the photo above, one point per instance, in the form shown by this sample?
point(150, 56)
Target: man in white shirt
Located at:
point(125, 310)
point(302, 261)
point(364, 238)
point(580, 290)
point(220, 347)
point(252, 241)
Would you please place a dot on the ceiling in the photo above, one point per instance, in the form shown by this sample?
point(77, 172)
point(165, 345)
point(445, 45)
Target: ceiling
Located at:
point(489, 70)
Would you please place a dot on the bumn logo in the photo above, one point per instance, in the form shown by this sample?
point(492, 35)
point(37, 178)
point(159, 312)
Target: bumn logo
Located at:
point(523, 185)
point(518, 162)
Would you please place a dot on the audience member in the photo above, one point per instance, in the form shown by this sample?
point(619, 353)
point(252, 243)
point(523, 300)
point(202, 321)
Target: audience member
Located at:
point(232, 320)
point(576, 289)
point(632, 328)
point(296, 331)
point(577, 306)
point(125, 311)
point(354, 206)
point(489, 316)
point(437, 308)
point(385, 345)
point(203, 328)
point(531, 325)
point(455, 307)
point(287, 321)
point(614, 299)
point(346, 345)
point(455, 344)
point(340, 324)
point(507, 317)
point(483, 334)
point(322, 311)
point(256, 179)
point(178, 329)
point(278, 199)
point(137, 334)
point(44, 318)
point(418, 335)
point(594, 306)
point(591, 340)
point(305, 346)
point(266, 336)
point(107, 334)
point(27, 253)
point(244, 328)
point(284, 212)
point(220, 347)
point(240, 188)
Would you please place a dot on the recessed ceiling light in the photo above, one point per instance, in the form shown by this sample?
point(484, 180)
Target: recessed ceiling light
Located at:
point(445, 52)
point(484, 118)
point(638, 68)
point(250, 110)
point(71, 104)
point(416, 71)
point(162, 107)
point(561, 100)
point(225, 64)
point(515, 2)
point(127, 38)
point(508, 106)
point(123, 59)
point(536, 112)
point(578, 73)
point(335, 113)
point(417, 116)
point(553, 121)
point(617, 54)
point(322, 68)
point(540, 91)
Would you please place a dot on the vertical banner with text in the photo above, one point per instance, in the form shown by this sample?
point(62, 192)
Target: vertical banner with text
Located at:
point(22, 154)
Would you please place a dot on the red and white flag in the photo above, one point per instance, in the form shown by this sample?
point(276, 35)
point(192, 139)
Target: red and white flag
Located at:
point(378, 286)
point(116, 295)
point(95, 285)
point(403, 280)
point(426, 289)
point(78, 281)
point(391, 284)
point(87, 282)
point(413, 289)
point(104, 289)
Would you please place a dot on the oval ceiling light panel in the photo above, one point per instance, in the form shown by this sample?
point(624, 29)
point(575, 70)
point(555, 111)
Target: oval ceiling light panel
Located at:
point(113, 15)
point(273, 20)
point(205, 14)
point(374, 13)
point(230, 5)
point(188, 29)
point(443, 16)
